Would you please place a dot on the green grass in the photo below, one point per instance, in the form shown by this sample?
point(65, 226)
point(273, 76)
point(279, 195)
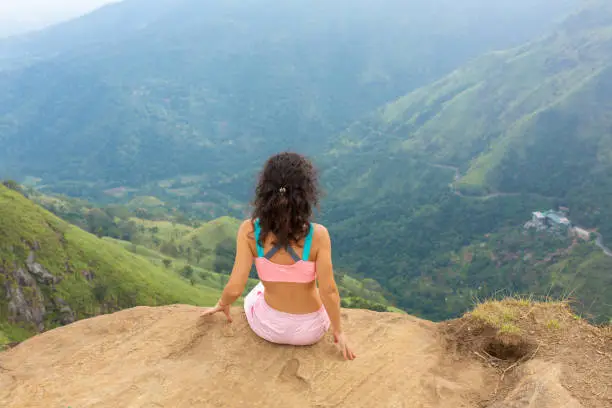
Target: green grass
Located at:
point(121, 278)
point(201, 276)
point(366, 289)
point(209, 246)
point(213, 232)
point(500, 315)
point(145, 202)
point(213, 245)
point(515, 316)
point(12, 333)
point(164, 230)
point(141, 250)
point(509, 328)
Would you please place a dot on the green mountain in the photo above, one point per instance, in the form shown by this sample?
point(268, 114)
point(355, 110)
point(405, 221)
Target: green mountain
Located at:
point(52, 273)
point(533, 119)
point(474, 153)
point(140, 92)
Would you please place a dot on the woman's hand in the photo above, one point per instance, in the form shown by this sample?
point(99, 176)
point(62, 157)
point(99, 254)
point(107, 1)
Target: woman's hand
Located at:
point(340, 339)
point(219, 307)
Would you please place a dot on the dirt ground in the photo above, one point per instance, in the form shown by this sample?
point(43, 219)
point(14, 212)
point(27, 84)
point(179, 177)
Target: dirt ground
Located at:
point(171, 357)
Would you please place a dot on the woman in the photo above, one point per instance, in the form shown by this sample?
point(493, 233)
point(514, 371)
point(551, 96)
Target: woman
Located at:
point(290, 255)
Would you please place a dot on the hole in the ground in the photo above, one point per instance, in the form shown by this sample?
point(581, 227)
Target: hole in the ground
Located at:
point(508, 351)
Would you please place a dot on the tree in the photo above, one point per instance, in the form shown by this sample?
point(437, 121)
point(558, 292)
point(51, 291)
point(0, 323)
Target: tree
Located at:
point(371, 285)
point(169, 249)
point(100, 291)
point(13, 185)
point(142, 213)
point(198, 249)
point(99, 222)
point(224, 256)
point(167, 263)
point(187, 272)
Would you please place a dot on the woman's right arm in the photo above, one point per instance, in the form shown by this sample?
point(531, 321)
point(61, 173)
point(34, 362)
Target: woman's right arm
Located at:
point(329, 290)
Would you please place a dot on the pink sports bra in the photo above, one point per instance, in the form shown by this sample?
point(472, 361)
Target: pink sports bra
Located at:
point(302, 271)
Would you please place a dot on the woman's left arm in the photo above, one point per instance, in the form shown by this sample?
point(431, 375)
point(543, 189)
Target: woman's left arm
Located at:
point(240, 273)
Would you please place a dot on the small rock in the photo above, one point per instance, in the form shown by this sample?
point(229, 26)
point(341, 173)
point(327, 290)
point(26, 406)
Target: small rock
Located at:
point(66, 313)
point(88, 275)
point(39, 272)
point(25, 305)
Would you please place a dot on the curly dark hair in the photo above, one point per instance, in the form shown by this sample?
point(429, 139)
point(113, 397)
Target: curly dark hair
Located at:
point(286, 193)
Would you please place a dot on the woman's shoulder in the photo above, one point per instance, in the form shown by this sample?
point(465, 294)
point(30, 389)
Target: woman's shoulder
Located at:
point(246, 228)
point(320, 233)
point(319, 228)
point(248, 223)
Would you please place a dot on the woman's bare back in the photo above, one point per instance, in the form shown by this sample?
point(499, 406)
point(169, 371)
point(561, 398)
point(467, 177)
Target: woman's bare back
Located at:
point(289, 297)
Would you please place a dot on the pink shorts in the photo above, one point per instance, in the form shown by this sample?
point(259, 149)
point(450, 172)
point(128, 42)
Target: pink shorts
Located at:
point(283, 328)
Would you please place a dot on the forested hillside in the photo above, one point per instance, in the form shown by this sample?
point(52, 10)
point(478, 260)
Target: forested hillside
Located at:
point(510, 133)
point(136, 93)
point(533, 119)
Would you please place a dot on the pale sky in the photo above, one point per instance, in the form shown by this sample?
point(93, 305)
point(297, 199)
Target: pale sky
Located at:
point(46, 11)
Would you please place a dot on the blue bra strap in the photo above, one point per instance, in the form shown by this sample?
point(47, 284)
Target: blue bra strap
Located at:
point(260, 250)
point(308, 243)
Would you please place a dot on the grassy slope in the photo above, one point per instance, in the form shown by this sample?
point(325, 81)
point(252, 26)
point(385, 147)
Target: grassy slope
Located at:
point(213, 232)
point(207, 246)
point(201, 276)
point(165, 231)
point(66, 251)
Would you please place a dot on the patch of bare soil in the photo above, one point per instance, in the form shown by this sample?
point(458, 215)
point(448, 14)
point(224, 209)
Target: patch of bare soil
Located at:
point(543, 355)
